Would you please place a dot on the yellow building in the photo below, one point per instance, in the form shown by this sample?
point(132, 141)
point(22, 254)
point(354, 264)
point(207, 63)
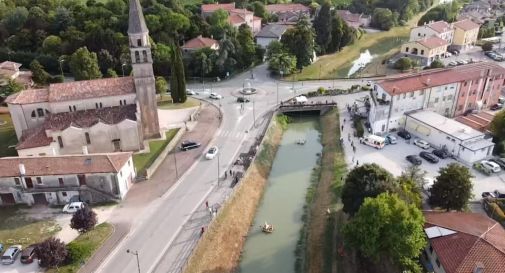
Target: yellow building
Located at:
point(425, 50)
point(465, 34)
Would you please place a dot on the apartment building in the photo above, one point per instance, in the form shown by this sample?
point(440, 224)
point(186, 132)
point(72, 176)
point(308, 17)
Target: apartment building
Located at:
point(440, 29)
point(426, 50)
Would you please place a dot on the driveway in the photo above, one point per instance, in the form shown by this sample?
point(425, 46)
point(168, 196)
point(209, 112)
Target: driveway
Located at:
point(18, 267)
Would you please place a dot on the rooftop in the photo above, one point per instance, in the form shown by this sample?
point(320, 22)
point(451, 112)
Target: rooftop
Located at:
point(432, 42)
point(466, 24)
point(272, 31)
point(274, 8)
point(8, 65)
point(199, 42)
point(475, 238)
point(440, 26)
point(446, 125)
point(63, 165)
point(136, 22)
point(214, 7)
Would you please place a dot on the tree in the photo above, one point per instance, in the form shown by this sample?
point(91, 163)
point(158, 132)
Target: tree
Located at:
point(367, 180)
point(497, 128)
point(387, 227)
point(84, 65)
point(260, 10)
point(341, 34)
point(10, 88)
point(383, 18)
point(83, 220)
point(299, 41)
point(322, 26)
point(161, 85)
point(409, 185)
point(178, 79)
point(39, 75)
point(452, 187)
point(15, 19)
point(273, 48)
point(52, 45)
point(247, 48)
point(111, 73)
point(284, 62)
point(404, 63)
point(437, 64)
point(51, 253)
point(487, 46)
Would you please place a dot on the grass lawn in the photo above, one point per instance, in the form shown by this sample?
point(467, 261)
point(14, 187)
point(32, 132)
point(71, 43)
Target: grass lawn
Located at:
point(143, 161)
point(87, 244)
point(7, 136)
point(166, 103)
point(17, 228)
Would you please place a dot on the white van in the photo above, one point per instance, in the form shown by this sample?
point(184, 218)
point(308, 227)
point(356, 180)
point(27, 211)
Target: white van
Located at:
point(377, 142)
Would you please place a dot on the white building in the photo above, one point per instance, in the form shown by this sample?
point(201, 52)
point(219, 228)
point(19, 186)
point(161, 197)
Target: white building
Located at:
point(58, 180)
point(270, 33)
point(464, 142)
point(440, 29)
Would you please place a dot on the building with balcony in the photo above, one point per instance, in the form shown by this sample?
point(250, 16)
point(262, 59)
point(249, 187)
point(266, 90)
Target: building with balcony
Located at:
point(426, 50)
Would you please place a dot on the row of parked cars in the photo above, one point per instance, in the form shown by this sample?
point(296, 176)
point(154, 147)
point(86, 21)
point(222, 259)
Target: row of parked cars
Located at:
point(490, 166)
point(494, 55)
point(432, 157)
point(11, 254)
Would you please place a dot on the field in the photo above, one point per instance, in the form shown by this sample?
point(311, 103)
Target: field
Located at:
point(8, 137)
point(166, 103)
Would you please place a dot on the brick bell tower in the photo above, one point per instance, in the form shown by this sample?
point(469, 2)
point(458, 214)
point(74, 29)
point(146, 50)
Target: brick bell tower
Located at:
point(142, 65)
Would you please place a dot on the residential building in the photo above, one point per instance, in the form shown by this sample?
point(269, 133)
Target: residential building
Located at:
point(269, 33)
point(463, 242)
point(208, 9)
point(426, 50)
point(354, 20)
point(450, 92)
point(239, 17)
point(478, 121)
point(62, 179)
point(440, 29)
point(288, 13)
point(465, 34)
point(103, 115)
point(199, 43)
point(11, 71)
point(462, 141)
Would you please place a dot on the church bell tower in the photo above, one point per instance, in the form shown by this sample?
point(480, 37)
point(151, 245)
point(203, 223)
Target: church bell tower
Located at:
point(142, 64)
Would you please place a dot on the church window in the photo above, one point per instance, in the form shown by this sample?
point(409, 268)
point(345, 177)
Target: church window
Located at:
point(139, 42)
point(124, 102)
point(101, 105)
point(70, 108)
point(34, 115)
point(144, 53)
point(60, 141)
point(88, 139)
point(137, 57)
point(75, 109)
point(96, 105)
point(40, 112)
point(121, 102)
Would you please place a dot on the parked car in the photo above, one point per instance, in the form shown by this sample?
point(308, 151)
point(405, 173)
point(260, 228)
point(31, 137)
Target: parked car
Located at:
point(488, 194)
point(441, 153)
point(390, 139)
point(73, 207)
point(190, 92)
point(461, 62)
point(188, 145)
point(499, 194)
point(1, 248)
point(491, 166)
point(215, 96)
point(422, 144)
point(11, 254)
point(454, 51)
point(242, 99)
point(499, 161)
point(414, 159)
point(453, 63)
point(211, 153)
point(495, 107)
point(28, 255)
point(404, 134)
point(429, 157)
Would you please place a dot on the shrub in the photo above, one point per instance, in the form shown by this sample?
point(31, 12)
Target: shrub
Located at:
point(487, 46)
point(404, 63)
point(79, 252)
point(83, 220)
point(496, 212)
point(321, 90)
point(51, 253)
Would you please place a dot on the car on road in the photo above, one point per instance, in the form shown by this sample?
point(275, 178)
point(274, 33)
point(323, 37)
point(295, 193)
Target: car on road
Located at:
point(215, 96)
point(73, 207)
point(404, 134)
point(453, 63)
point(429, 157)
point(212, 152)
point(441, 153)
point(499, 160)
point(190, 92)
point(490, 166)
point(414, 159)
point(242, 99)
point(28, 255)
point(488, 194)
point(499, 194)
point(11, 254)
point(188, 145)
point(390, 139)
point(423, 144)
point(495, 107)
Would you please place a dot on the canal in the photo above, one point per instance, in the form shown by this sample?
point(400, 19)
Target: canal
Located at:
point(283, 201)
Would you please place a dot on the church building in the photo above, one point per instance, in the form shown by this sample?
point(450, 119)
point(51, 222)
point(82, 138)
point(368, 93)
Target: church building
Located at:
point(95, 116)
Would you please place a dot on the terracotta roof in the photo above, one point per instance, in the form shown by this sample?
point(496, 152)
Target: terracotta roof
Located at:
point(214, 7)
point(34, 137)
point(349, 16)
point(240, 11)
point(478, 239)
point(235, 19)
point(29, 96)
point(440, 26)
point(88, 118)
point(64, 165)
point(466, 25)
point(405, 83)
point(432, 42)
point(8, 65)
point(275, 8)
point(91, 89)
point(199, 42)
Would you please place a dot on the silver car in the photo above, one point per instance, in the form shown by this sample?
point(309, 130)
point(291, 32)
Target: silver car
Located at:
point(11, 254)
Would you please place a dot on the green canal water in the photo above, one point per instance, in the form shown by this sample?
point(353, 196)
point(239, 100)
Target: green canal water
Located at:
point(283, 201)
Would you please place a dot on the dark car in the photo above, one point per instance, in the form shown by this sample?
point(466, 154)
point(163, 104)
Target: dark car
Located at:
point(499, 161)
point(441, 153)
point(488, 194)
point(497, 106)
point(242, 99)
point(28, 255)
point(414, 159)
point(429, 157)
point(188, 145)
point(499, 194)
point(404, 134)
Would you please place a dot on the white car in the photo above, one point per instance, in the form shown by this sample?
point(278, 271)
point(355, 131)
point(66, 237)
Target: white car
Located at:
point(490, 166)
point(215, 96)
point(73, 207)
point(211, 153)
point(422, 144)
point(190, 92)
point(453, 63)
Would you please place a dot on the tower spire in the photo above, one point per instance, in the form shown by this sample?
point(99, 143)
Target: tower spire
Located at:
point(136, 22)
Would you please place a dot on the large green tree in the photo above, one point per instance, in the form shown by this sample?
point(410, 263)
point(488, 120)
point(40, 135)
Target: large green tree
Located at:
point(282, 62)
point(178, 78)
point(322, 26)
point(497, 128)
point(246, 46)
point(299, 41)
point(452, 188)
point(84, 65)
point(386, 227)
point(383, 19)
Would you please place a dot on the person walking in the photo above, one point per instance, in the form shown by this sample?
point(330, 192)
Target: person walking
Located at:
point(207, 204)
point(342, 127)
point(202, 230)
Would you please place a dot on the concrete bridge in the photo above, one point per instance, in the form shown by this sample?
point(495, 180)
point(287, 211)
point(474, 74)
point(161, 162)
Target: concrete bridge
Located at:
point(310, 106)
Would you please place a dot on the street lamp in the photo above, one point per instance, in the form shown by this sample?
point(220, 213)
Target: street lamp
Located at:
point(136, 253)
point(61, 60)
point(122, 67)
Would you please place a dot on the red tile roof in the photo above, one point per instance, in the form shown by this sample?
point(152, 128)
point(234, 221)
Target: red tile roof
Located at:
point(199, 42)
point(64, 165)
point(405, 83)
point(466, 24)
point(478, 239)
point(349, 16)
point(29, 96)
point(34, 137)
point(8, 65)
point(235, 19)
point(214, 7)
point(440, 26)
point(432, 42)
point(276, 8)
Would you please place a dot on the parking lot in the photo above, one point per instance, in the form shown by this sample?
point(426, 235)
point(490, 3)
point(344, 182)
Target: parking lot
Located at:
point(392, 158)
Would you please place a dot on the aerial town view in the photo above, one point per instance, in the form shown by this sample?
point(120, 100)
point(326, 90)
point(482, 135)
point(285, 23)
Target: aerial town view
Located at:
point(252, 136)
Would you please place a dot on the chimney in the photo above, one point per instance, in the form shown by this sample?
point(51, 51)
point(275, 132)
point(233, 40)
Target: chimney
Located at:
point(84, 150)
point(479, 268)
point(22, 169)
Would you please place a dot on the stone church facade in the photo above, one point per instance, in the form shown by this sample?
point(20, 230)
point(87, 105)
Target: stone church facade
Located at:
point(95, 116)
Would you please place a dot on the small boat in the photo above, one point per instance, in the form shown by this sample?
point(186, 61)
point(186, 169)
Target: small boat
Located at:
point(266, 228)
point(301, 141)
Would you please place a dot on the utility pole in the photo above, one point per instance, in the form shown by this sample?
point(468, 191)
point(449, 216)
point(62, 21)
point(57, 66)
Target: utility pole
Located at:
point(136, 253)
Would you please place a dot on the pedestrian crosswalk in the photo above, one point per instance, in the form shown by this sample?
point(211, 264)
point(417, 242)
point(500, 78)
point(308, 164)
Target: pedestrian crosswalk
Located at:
point(232, 134)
